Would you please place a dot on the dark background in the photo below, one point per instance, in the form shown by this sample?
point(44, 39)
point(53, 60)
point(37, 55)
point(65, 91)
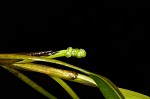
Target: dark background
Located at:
point(114, 34)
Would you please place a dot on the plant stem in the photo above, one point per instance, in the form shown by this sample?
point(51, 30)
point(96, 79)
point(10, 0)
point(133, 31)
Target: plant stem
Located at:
point(35, 58)
point(65, 74)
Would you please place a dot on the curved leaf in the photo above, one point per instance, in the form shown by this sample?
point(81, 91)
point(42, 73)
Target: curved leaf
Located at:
point(129, 94)
point(66, 87)
point(30, 82)
point(108, 89)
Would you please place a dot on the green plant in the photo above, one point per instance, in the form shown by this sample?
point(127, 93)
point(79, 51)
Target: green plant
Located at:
point(29, 61)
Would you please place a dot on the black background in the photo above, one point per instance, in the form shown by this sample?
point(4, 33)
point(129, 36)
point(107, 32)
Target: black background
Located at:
point(114, 34)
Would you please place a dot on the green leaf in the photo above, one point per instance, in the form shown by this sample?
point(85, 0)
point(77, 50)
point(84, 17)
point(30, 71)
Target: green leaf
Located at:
point(108, 89)
point(129, 94)
point(66, 87)
point(30, 82)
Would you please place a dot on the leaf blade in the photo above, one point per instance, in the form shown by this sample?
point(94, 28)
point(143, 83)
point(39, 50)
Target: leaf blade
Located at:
point(30, 82)
point(108, 89)
point(67, 88)
point(129, 94)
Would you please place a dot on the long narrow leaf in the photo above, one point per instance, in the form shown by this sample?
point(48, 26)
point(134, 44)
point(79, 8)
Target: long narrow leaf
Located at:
point(30, 82)
point(129, 94)
point(108, 89)
point(66, 87)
